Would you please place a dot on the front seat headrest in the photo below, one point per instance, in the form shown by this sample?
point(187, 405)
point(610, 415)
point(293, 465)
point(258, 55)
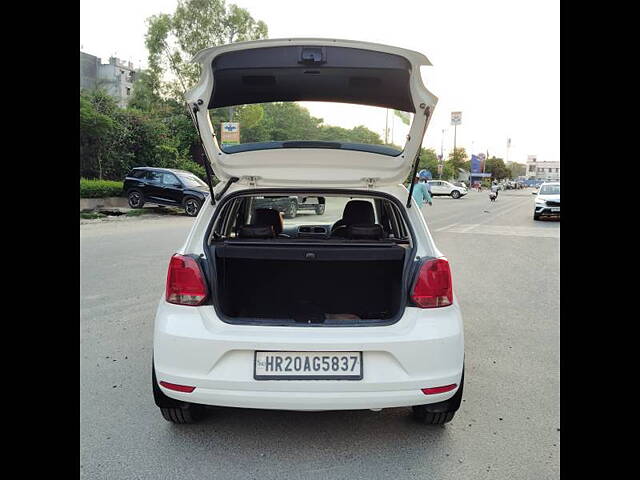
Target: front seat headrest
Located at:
point(358, 211)
point(256, 231)
point(268, 216)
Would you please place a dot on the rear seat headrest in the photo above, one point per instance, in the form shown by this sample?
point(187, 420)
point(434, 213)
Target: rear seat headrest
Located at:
point(358, 211)
point(256, 231)
point(268, 216)
point(365, 232)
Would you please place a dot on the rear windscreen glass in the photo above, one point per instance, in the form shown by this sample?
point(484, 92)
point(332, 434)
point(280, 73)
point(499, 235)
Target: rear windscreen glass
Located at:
point(344, 126)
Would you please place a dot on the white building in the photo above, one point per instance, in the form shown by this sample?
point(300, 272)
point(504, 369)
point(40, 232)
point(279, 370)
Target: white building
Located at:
point(116, 77)
point(548, 171)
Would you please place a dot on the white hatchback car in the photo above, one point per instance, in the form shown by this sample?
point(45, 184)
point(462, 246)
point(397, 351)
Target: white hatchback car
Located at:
point(354, 311)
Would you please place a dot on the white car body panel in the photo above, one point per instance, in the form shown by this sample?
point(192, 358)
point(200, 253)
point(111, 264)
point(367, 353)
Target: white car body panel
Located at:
point(309, 166)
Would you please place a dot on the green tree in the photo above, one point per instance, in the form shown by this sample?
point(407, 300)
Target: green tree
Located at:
point(96, 130)
point(173, 39)
point(497, 168)
point(458, 158)
point(517, 169)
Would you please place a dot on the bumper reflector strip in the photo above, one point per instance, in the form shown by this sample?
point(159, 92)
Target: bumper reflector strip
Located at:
point(433, 390)
point(178, 388)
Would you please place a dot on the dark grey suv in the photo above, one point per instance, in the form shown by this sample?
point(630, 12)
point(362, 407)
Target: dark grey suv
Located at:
point(164, 186)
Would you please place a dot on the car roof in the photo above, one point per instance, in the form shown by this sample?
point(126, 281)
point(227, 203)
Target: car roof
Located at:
point(158, 169)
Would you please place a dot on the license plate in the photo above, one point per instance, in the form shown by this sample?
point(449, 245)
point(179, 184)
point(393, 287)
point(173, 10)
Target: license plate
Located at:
point(555, 209)
point(307, 366)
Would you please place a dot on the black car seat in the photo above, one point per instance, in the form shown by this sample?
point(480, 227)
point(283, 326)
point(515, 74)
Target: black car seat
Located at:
point(356, 212)
point(256, 231)
point(269, 217)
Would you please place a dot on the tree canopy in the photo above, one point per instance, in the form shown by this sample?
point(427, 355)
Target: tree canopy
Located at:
point(173, 39)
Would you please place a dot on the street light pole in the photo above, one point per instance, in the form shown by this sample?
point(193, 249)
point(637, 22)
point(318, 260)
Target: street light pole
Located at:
point(455, 128)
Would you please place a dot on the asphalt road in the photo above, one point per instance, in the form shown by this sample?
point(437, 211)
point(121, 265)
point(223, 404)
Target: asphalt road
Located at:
point(506, 276)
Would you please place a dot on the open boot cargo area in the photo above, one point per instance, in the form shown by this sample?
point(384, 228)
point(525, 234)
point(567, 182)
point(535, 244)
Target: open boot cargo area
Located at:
point(304, 284)
point(348, 268)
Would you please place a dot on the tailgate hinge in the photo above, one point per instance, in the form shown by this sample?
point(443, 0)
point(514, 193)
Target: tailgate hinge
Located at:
point(371, 182)
point(252, 181)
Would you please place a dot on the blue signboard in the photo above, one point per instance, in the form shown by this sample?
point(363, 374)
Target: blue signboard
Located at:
point(476, 164)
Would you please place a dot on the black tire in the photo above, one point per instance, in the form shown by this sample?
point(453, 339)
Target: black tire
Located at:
point(455, 194)
point(442, 412)
point(135, 198)
point(432, 418)
point(191, 206)
point(319, 209)
point(292, 210)
point(536, 216)
point(172, 410)
point(182, 415)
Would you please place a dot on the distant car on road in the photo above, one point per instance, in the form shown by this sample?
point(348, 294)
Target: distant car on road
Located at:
point(164, 186)
point(291, 205)
point(441, 187)
point(547, 200)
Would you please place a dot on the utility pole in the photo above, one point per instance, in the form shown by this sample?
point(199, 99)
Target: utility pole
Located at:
point(455, 127)
point(386, 128)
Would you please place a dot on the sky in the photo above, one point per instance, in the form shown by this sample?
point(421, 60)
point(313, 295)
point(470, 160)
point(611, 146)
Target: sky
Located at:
point(498, 62)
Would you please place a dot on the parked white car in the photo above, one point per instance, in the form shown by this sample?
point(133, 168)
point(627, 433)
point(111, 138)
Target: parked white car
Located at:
point(547, 200)
point(441, 187)
point(356, 313)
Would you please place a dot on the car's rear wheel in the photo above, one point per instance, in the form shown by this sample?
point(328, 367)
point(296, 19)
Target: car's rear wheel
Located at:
point(135, 198)
point(192, 206)
point(455, 194)
point(172, 410)
point(441, 412)
point(319, 209)
point(182, 415)
point(292, 210)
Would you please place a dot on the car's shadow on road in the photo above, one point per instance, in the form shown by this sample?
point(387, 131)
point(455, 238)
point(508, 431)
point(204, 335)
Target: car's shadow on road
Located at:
point(328, 440)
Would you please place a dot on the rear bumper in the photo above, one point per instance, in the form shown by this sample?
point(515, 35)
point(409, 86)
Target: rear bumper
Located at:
point(192, 347)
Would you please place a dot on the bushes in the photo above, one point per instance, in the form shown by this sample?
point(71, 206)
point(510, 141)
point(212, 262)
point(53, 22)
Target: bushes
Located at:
point(99, 188)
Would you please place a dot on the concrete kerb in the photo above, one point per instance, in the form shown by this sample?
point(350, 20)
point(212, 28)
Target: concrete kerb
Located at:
point(89, 204)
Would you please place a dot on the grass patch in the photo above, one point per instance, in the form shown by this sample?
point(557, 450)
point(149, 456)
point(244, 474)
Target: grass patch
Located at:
point(91, 215)
point(100, 188)
point(155, 211)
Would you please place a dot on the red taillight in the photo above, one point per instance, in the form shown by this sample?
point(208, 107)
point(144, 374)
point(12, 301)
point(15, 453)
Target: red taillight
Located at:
point(433, 285)
point(178, 388)
point(185, 282)
point(433, 390)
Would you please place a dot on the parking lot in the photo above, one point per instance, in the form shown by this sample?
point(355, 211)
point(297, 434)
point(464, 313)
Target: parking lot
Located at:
point(507, 279)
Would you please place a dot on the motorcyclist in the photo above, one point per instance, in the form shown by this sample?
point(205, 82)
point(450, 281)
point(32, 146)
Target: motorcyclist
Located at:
point(494, 188)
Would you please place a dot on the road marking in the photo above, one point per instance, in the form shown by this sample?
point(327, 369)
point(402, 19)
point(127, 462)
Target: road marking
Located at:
point(506, 230)
point(446, 228)
point(495, 212)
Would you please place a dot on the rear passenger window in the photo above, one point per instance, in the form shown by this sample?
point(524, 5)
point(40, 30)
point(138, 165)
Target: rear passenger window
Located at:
point(154, 177)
